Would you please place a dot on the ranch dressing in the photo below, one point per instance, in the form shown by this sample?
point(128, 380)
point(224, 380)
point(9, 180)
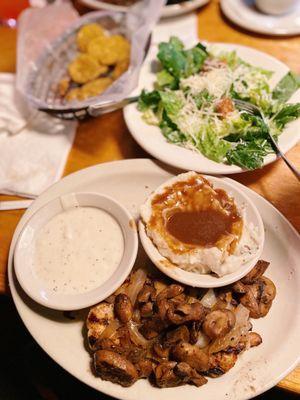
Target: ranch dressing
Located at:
point(78, 250)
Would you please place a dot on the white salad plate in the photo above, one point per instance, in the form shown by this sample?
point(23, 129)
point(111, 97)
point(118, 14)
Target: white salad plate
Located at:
point(152, 140)
point(24, 252)
point(257, 370)
point(251, 217)
point(171, 10)
point(246, 15)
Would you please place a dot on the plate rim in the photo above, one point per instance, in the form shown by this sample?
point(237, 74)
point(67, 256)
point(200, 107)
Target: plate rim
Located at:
point(171, 10)
point(218, 170)
point(142, 161)
point(265, 31)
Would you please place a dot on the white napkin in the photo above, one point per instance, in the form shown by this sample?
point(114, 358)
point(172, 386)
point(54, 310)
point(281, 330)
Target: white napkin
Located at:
point(33, 159)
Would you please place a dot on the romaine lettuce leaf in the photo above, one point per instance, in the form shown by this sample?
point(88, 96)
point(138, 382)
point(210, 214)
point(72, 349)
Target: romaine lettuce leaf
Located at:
point(288, 85)
point(248, 127)
point(170, 130)
point(288, 113)
point(165, 79)
point(195, 58)
point(172, 103)
point(148, 100)
point(179, 62)
point(249, 154)
point(212, 146)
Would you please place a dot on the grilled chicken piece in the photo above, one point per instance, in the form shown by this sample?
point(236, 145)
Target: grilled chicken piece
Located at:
point(97, 320)
point(192, 355)
point(218, 323)
point(110, 344)
point(220, 363)
point(132, 352)
point(114, 367)
point(123, 308)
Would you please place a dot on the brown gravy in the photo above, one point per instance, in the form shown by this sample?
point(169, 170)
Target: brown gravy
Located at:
point(192, 213)
point(203, 227)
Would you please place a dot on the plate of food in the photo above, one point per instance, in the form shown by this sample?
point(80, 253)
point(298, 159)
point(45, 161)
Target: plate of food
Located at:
point(171, 9)
point(188, 115)
point(188, 341)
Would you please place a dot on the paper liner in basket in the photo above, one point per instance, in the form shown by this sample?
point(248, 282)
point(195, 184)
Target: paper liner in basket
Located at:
point(46, 45)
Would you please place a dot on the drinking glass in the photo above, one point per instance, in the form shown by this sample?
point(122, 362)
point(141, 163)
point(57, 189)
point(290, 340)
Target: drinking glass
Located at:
point(10, 10)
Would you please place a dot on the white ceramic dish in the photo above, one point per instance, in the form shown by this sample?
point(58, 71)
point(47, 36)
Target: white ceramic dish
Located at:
point(152, 140)
point(257, 370)
point(171, 10)
point(244, 14)
point(251, 216)
point(23, 256)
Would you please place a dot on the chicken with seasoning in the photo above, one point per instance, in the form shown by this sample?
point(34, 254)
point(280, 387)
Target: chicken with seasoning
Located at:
point(173, 334)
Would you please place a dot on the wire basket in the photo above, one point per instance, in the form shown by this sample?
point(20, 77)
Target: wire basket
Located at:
point(43, 79)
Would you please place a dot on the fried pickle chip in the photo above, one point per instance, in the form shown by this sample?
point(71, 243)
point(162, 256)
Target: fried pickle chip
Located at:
point(75, 94)
point(120, 68)
point(87, 33)
point(109, 50)
point(96, 87)
point(85, 68)
point(63, 86)
point(122, 46)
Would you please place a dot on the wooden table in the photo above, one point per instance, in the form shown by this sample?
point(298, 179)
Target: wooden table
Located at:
point(107, 138)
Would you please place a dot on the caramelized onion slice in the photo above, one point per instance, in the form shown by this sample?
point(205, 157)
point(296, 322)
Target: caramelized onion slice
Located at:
point(239, 333)
point(136, 283)
point(202, 340)
point(137, 338)
point(111, 329)
point(209, 299)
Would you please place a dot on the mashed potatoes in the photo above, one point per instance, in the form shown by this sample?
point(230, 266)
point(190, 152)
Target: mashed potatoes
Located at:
point(198, 228)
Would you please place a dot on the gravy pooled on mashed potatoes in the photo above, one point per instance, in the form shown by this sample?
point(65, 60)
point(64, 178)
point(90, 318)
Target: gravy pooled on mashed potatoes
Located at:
point(195, 226)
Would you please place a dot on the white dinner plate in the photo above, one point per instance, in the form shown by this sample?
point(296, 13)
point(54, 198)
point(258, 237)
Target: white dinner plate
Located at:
point(246, 15)
point(152, 140)
point(257, 370)
point(171, 10)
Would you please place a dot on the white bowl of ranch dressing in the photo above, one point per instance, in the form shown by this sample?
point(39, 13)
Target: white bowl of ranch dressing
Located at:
point(75, 251)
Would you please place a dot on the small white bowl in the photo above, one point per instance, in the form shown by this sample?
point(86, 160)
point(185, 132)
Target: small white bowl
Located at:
point(23, 256)
point(194, 279)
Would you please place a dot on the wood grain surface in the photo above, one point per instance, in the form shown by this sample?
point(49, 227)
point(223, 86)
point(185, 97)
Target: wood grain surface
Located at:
point(107, 138)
